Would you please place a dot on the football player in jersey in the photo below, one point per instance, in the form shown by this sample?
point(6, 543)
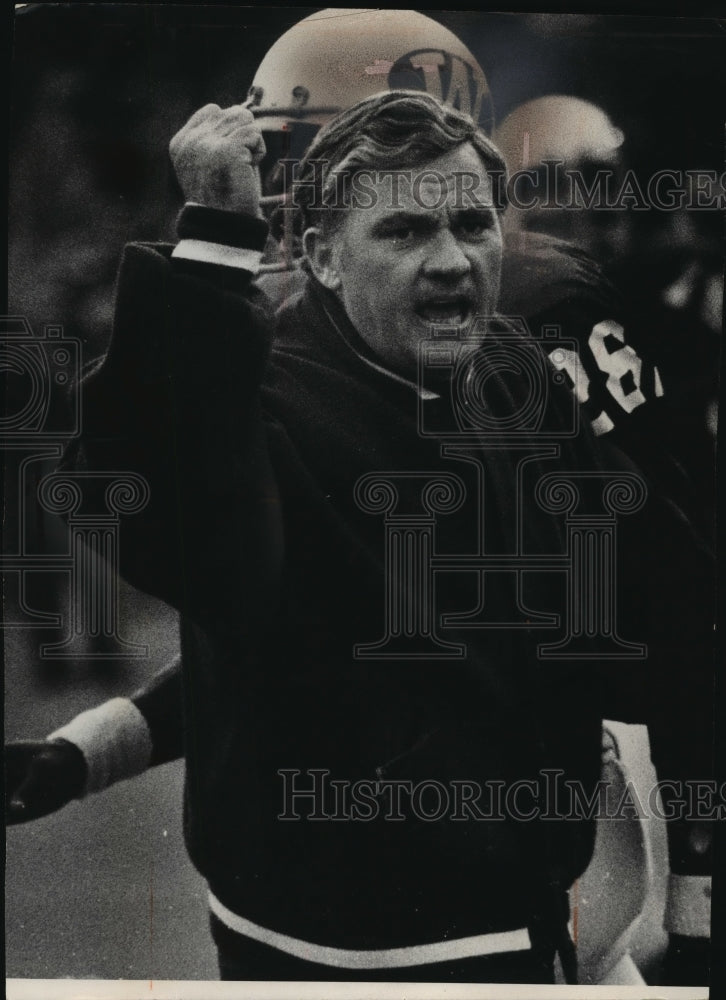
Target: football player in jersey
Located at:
point(634, 329)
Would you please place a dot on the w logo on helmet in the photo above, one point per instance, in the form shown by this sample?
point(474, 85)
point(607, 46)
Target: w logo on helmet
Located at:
point(448, 77)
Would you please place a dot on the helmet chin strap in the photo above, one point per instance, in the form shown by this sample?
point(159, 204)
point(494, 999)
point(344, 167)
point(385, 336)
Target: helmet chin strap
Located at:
point(272, 201)
point(288, 261)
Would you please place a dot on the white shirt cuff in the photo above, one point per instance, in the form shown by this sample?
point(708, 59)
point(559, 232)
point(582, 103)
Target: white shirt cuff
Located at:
point(115, 740)
point(218, 253)
point(688, 906)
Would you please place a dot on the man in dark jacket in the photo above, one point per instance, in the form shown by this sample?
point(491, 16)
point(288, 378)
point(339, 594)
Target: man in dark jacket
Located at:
point(367, 807)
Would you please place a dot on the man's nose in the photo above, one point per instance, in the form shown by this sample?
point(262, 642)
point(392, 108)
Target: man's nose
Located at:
point(445, 256)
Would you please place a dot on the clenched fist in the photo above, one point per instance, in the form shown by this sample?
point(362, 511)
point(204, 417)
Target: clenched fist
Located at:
point(216, 157)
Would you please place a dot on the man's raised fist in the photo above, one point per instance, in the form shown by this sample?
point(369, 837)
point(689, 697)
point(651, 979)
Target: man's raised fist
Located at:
point(216, 157)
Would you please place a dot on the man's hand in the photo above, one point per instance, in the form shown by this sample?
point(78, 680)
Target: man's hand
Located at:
point(40, 777)
point(216, 156)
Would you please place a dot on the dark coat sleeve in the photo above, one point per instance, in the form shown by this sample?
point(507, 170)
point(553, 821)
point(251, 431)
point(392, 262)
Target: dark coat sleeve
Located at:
point(175, 400)
point(161, 703)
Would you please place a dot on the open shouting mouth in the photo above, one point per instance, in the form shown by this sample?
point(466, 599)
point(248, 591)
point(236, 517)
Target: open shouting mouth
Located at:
point(450, 310)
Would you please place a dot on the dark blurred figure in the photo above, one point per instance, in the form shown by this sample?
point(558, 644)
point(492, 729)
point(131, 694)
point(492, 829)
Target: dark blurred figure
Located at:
point(662, 344)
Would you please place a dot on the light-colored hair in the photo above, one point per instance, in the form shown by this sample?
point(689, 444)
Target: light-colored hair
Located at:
point(396, 130)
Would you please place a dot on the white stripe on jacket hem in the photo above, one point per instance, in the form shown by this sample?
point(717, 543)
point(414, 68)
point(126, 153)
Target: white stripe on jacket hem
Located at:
point(383, 958)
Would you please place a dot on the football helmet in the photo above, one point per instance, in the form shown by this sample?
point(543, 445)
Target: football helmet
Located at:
point(329, 61)
point(581, 136)
point(336, 57)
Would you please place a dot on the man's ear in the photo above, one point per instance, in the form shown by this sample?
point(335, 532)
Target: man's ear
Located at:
point(319, 252)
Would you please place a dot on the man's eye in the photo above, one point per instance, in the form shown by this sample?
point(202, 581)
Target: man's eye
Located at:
point(400, 234)
point(474, 225)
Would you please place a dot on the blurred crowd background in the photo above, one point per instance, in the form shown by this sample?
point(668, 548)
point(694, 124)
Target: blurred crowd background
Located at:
point(105, 889)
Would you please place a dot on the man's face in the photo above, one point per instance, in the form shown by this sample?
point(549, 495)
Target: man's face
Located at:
point(401, 266)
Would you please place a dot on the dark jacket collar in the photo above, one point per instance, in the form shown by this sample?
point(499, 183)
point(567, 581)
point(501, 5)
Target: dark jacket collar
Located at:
point(317, 321)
